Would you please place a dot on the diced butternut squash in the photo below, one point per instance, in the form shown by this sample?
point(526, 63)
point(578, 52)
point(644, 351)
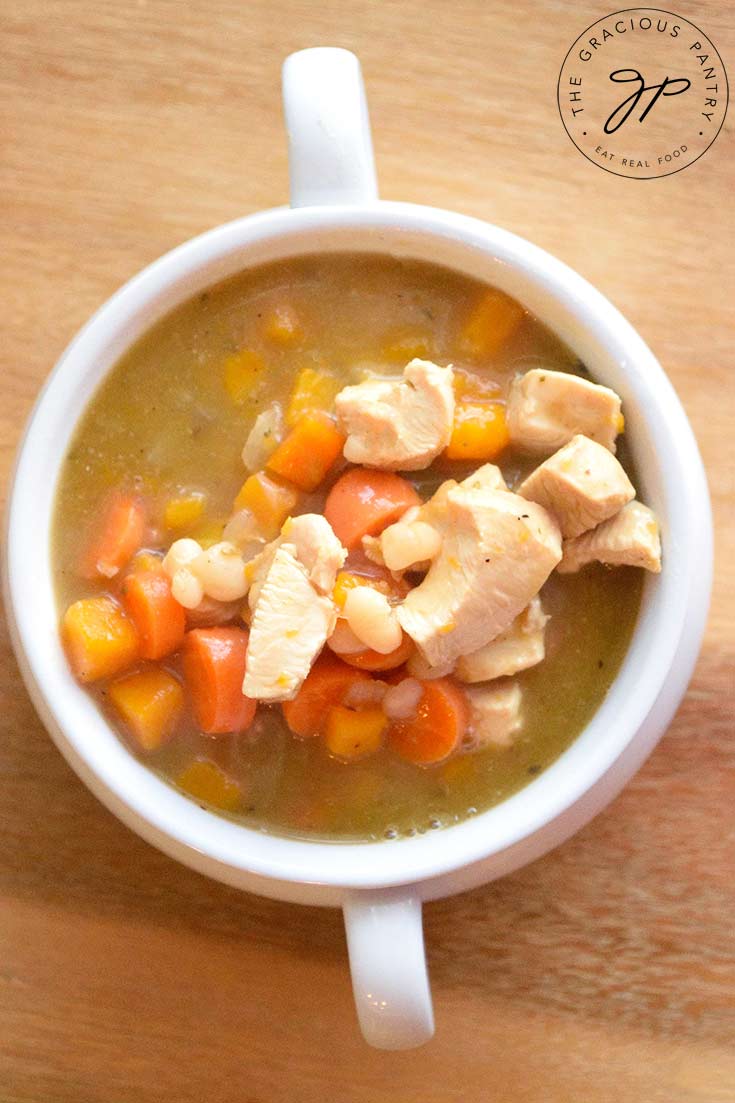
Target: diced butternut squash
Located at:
point(244, 372)
point(351, 734)
point(150, 703)
point(308, 452)
point(281, 325)
point(405, 345)
point(146, 561)
point(480, 432)
point(209, 534)
point(207, 783)
point(491, 321)
point(269, 500)
point(184, 511)
point(99, 639)
point(312, 390)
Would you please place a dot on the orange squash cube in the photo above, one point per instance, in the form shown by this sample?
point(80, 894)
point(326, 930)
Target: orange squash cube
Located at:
point(98, 638)
point(480, 431)
point(269, 501)
point(207, 783)
point(351, 734)
point(491, 321)
point(149, 703)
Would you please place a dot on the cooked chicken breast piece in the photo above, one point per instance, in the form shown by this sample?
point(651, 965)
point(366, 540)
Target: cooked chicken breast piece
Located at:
point(495, 714)
point(630, 538)
point(497, 551)
point(290, 625)
point(398, 425)
point(292, 610)
point(521, 646)
point(547, 408)
point(581, 485)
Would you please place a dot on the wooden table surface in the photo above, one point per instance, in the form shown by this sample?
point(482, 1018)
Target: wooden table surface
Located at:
point(603, 972)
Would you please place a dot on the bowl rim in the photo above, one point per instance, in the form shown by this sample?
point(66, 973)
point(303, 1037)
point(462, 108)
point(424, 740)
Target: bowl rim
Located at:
point(229, 850)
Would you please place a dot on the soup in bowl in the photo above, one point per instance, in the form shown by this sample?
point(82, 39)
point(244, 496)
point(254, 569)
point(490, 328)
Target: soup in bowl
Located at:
point(223, 397)
point(347, 547)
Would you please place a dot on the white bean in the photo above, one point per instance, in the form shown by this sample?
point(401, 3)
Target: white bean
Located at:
point(401, 701)
point(221, 571)
point(180, 554)
point(343, 640)
point(361, 695)
point(405, 544)
point(372, 619)
point(186, 588)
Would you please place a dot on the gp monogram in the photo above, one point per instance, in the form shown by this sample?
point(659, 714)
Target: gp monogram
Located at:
point(642, 93)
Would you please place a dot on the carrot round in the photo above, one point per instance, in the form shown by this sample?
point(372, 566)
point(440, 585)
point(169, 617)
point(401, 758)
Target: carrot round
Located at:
point(363, 502)
point(324, 686)
point(117, 537)
point(439, 724)
point(214, 667)
point(159, 619)
point(373, 660)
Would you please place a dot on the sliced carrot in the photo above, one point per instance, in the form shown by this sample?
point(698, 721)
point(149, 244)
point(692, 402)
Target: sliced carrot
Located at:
point(149, 702)
point(99, 639)
point(309, 450)
point(373, 660)
point(214, 668)
point(206, 782)
point(439, 724)
point(363, 502)
point(479, 433)
point(184, 510)
point(350, 734)
point(159, 619)
point(269, 501)
point(117, 538)
point(492, 319)
point(324, 686)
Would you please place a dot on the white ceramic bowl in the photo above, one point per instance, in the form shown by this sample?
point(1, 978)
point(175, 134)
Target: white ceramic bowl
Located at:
point(379, 885)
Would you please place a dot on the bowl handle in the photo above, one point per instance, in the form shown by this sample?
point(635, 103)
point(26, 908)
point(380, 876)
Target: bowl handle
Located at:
point(330, 151)
point(390, 982)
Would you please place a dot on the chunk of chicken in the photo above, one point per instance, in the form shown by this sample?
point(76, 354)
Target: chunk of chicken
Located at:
point(630, 538)
point(495, 715)
point(498, 550)
point(317, 548)
point(581, 485)
point(290, 625)
point(547, 408)
point(292, 610)
point(521, 646)
point(399, 425)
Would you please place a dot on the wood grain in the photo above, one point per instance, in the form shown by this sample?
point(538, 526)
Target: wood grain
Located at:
point(601, 974)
